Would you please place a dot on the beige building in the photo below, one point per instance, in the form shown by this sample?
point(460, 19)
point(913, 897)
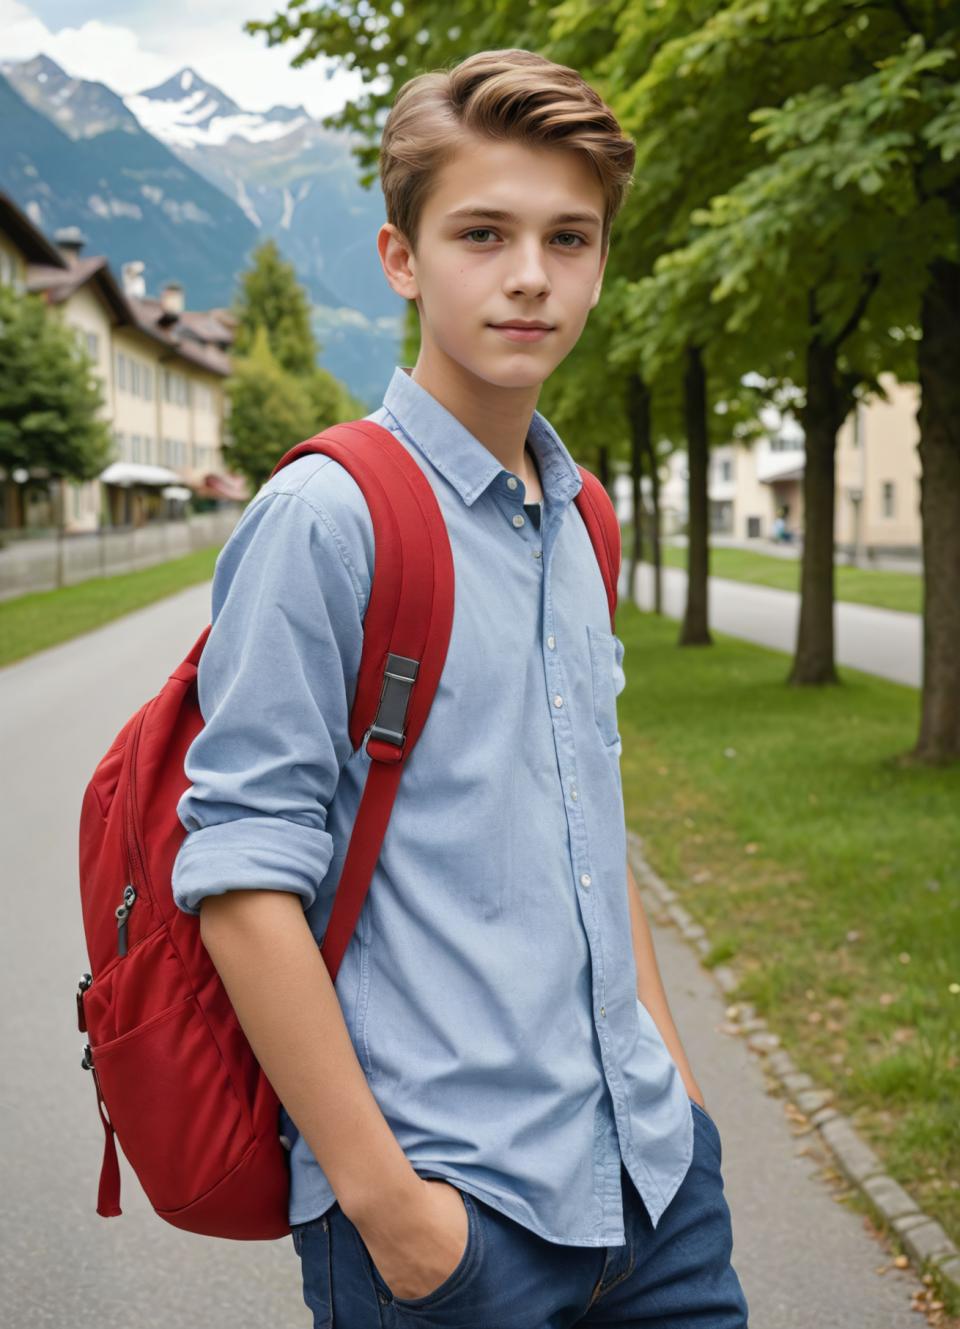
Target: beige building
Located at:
point(877, 477)
point(162, 370)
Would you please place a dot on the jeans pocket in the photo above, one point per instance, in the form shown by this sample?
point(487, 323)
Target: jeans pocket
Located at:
point(311, 1241)
point(703, 1112)
point(469, 1260)
point(704, 1115)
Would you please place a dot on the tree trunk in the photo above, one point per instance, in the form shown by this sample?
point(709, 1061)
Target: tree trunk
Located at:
point(654, 526)
point(813, 661)
point(938, 356)
point(695, 630)
point(651, 468)
point(603, 466)
point(638, 410)
point(829, 401)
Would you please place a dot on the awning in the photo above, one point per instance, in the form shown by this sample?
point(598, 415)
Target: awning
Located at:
point(781, 468)
point(176, 491)
point(793, 473)
point(228, 486)
point(126, 473)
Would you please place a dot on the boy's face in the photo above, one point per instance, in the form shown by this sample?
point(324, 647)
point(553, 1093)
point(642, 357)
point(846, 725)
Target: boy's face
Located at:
point(473, 271)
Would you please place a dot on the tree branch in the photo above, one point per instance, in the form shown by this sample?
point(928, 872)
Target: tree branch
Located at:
point(869, 286)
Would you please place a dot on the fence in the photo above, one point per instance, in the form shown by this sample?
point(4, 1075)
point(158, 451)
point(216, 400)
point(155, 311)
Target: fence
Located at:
point(41, 561)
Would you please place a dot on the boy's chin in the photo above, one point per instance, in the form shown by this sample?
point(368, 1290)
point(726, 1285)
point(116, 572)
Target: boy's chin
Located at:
point(513, 370)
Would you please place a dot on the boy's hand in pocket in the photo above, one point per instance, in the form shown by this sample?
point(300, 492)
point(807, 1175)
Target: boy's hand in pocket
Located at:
point(417, 1247)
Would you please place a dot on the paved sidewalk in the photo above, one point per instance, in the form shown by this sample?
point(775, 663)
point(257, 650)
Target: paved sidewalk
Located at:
point(60, 1263)
point(878, 641)
point(805, 1261)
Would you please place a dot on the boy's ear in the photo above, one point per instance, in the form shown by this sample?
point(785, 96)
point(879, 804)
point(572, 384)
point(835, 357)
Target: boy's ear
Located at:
point(395, 257)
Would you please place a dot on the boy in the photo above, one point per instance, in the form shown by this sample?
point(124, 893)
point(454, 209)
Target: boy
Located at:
point(488, 1128)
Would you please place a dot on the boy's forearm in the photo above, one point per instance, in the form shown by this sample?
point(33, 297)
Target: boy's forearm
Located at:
point(273, 972)
point(650, 987)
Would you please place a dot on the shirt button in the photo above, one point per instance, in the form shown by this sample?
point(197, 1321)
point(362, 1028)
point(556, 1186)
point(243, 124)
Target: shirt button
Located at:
point(551, 641)
point(511, 482)
point(603, 1010)
point(519, 519)
point(585, 879)
point(573, 793)
point(537, 553)
point(558, 700)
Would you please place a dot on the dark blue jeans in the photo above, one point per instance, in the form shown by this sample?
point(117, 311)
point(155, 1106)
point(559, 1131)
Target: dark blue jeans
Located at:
point(677, 1276)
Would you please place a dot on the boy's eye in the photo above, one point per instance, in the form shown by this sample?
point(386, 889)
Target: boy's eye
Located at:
point(486, 230)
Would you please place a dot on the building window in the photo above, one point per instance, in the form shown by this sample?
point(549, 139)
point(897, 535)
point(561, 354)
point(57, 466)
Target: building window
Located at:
point(726, 470)
point(135, 447)
point(148, 383)
point(121, 371)
point(93, 346)
point(176, 389)
point(888, 498)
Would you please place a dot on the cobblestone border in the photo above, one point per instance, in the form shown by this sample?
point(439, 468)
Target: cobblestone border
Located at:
point(922, 1237)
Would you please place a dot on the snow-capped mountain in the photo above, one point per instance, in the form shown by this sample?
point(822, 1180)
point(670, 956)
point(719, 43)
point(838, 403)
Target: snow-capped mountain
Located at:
point(80, 109)
point(189, 112)
point(199, 182)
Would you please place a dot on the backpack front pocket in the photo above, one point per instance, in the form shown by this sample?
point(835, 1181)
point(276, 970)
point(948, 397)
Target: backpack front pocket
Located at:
point(172, 1105)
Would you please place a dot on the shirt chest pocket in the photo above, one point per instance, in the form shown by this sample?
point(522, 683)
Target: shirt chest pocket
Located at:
point(606, 667)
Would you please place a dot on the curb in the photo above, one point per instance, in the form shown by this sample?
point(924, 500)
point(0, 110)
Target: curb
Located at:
point(925, 1241)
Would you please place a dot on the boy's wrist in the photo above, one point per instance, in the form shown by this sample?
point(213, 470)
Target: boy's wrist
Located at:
point(370, 1197)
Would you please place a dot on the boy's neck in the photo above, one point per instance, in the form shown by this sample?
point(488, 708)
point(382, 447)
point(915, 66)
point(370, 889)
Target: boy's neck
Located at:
point(499, 418)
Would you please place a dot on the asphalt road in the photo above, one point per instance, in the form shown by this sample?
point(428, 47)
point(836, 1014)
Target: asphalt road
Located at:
point(878, 641)
point(803, 1259)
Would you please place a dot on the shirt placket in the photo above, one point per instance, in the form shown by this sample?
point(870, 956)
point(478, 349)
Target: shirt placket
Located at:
point(541, 544)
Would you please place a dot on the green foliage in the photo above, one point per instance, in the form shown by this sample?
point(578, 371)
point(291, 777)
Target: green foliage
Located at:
point(49, 397)
point(271, 297)
point(271, 410)
point(279, 395)
point(796, 173)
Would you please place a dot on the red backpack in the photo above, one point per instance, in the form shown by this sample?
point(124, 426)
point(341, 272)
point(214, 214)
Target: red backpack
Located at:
point(196, 1117)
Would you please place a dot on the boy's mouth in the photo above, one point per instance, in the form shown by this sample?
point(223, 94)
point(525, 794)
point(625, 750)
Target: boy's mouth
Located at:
point(523, 331)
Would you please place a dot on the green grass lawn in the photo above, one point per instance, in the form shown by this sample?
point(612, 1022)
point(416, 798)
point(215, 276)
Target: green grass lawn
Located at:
point(885, 590)
point(40, 619)
point(826, 873)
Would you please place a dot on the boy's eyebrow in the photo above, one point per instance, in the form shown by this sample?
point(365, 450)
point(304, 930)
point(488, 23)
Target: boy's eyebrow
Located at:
point(498, 214)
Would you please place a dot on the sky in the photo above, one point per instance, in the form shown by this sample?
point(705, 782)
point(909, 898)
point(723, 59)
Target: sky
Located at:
point(131, 44)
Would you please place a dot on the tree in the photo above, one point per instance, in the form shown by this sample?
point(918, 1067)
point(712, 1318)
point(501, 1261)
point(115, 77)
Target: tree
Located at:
point(854, 214)
point(270, 297)
point(270, 412)
point(50, 399)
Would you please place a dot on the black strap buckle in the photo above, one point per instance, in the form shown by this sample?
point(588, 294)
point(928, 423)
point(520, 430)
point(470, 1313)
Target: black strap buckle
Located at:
point(391, 718)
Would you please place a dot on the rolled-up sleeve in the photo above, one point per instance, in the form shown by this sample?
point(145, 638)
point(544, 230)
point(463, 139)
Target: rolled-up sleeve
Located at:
point(276, 682)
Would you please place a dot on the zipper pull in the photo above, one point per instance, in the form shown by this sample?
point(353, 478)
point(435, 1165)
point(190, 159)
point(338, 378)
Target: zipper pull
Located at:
point(122, 911)
point(85, 981)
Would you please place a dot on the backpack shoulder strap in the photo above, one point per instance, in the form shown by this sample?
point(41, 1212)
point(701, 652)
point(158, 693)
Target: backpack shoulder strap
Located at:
point(406, 633)
point(600, 518)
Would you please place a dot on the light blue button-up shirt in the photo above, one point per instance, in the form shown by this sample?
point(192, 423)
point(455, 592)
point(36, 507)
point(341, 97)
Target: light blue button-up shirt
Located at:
point(490, 988)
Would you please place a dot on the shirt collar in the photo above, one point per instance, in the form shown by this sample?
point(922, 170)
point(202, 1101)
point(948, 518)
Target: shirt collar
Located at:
point(461, 458)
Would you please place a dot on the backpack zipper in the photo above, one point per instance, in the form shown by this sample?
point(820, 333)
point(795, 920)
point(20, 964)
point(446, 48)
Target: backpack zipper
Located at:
point(134, 856)
point(85, 981)
point(123, 912)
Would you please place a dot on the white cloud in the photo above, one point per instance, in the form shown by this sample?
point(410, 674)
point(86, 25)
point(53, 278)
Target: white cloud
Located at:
point(130, 58)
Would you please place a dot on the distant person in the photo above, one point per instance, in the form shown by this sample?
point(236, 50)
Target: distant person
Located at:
point(493, 1123)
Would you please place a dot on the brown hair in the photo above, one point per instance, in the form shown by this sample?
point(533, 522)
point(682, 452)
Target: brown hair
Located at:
point(503, 94)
